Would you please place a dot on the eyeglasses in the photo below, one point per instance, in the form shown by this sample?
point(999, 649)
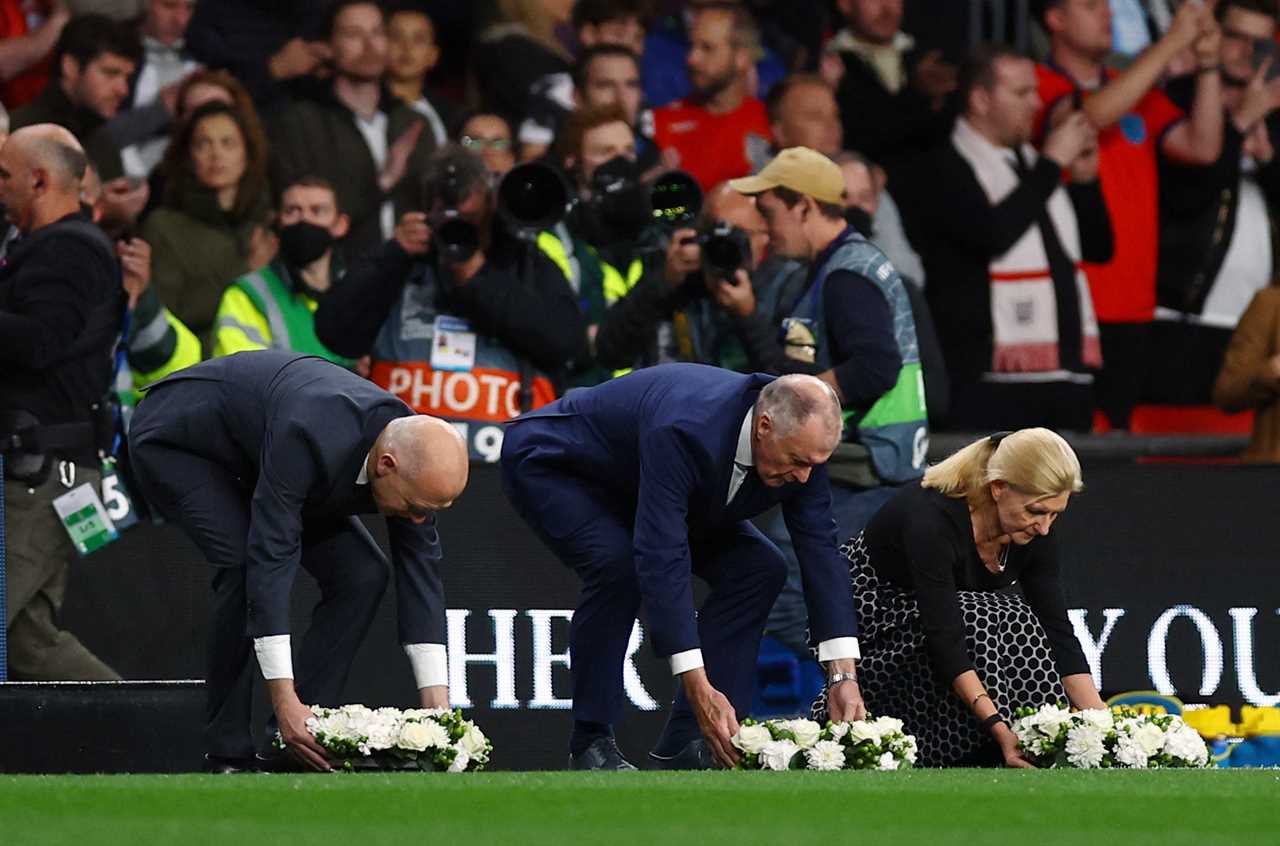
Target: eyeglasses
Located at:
point(478, 143)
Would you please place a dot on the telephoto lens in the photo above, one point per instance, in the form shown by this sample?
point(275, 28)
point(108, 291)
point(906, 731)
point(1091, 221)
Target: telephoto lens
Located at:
point(676, 199)
point(533, 197)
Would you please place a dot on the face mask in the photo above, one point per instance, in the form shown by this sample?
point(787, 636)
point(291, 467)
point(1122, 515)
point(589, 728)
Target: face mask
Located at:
point(858, 218)
point(302, 243)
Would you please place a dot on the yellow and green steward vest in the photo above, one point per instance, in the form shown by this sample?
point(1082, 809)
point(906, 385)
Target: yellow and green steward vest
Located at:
point(266, 310)
point(597, 283)
point(159, 344)
point(895, 429)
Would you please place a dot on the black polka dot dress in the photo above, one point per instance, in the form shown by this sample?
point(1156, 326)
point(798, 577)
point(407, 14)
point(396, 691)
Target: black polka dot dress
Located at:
point(1005, 640)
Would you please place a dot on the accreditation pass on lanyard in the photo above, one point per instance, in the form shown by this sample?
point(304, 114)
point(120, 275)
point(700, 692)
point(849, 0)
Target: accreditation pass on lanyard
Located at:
point(453, 344)
point(82, 514)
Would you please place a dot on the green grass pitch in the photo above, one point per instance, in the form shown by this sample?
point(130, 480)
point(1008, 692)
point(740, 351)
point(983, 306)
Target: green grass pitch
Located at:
point(979, 807)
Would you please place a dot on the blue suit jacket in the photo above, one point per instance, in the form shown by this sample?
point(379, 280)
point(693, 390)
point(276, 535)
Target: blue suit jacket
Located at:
point(661, 442)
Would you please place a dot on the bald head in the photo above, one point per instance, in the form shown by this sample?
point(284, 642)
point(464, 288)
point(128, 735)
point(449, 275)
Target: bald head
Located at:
point(418, 465)
point(40, 171)
point(54, 149)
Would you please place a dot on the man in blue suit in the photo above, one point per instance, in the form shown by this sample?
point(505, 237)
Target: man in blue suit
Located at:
point(646, 480)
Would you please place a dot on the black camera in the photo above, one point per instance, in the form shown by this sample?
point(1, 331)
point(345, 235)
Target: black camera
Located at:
point(456, 238)
point(726, 249)
point(532, 197)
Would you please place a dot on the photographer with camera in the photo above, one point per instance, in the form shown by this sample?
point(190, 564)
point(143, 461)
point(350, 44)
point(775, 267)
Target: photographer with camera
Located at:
point(606, 246)
point(462, 321)
point(689, 293)
point(61, 307)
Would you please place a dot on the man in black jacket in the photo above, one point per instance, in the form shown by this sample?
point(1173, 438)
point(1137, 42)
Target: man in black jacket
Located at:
point(1012, 310)
point(264, 458)
point(60, 309)
point(92, 64)
point(460, 321)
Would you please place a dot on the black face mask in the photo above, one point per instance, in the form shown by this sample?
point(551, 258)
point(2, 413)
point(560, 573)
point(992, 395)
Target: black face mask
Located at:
point(619, 199)
point(858, 218)
point(302, 243)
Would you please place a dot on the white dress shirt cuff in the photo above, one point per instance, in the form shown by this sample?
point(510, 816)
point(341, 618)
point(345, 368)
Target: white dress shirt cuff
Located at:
point(430, 664)
point(275, 656)
point(837, 648)
point(683, 662)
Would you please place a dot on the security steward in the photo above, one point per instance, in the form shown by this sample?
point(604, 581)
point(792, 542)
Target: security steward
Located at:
point(61, 307)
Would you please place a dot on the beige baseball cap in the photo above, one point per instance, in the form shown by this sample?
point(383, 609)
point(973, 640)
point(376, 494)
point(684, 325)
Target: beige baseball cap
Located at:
point(801, 169)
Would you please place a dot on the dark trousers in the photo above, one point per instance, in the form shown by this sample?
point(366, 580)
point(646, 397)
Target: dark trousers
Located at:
point(39, 561)
point(212, 506)
point(1119, 384)
point(592, 535)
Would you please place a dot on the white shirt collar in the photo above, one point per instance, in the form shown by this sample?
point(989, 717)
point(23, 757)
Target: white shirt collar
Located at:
point(743, 455)
point(362, 478)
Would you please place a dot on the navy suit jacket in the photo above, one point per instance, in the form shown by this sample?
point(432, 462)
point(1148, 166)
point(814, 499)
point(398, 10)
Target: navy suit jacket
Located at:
point(661, 442)
point(296, 430)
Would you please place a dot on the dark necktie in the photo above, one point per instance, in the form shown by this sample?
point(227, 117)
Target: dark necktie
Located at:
point(1063, 272)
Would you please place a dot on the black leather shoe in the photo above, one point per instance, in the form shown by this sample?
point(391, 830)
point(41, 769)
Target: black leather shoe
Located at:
point(217, 765)
point(602, 754)
point(696, 756)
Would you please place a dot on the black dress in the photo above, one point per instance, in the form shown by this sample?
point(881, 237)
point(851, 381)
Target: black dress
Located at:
point(929, 609)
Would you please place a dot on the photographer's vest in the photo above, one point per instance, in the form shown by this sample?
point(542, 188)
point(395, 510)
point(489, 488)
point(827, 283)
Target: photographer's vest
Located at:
point(580, 263)
point(270, 314)
point(436, 364)
point(895, 428)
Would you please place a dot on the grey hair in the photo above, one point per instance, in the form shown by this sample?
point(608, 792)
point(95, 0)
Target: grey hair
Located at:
point(4, 119)
point(792, 399)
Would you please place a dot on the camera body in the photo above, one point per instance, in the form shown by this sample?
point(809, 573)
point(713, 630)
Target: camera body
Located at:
point(726, 249)
point(456, 238)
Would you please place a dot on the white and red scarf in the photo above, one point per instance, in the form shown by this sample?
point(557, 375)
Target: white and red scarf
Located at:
point(1024, 311)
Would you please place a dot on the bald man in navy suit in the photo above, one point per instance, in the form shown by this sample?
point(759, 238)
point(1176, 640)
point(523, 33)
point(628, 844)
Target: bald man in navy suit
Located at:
point(642, 482)
point(264, 459)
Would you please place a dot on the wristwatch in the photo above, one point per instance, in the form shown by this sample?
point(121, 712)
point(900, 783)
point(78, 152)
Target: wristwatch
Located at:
point(836, 678)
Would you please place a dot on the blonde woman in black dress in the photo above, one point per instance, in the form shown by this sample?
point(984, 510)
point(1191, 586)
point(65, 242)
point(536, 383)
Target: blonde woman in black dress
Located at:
point(945, 646)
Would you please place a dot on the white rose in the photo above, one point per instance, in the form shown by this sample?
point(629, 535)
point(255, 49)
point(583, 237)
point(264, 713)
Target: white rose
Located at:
point(825, 755)
point(460, 761)
point(887, 762)
point(887, 726)
point(473, 742)
point(860, 730)
point(777, 754)
point(839, 730)
point(751, 739)
point(1099, 718)
point(1050, 719)
point(1085, 747)
point(1150, 737)
point(413, 736)
point(806, 731)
